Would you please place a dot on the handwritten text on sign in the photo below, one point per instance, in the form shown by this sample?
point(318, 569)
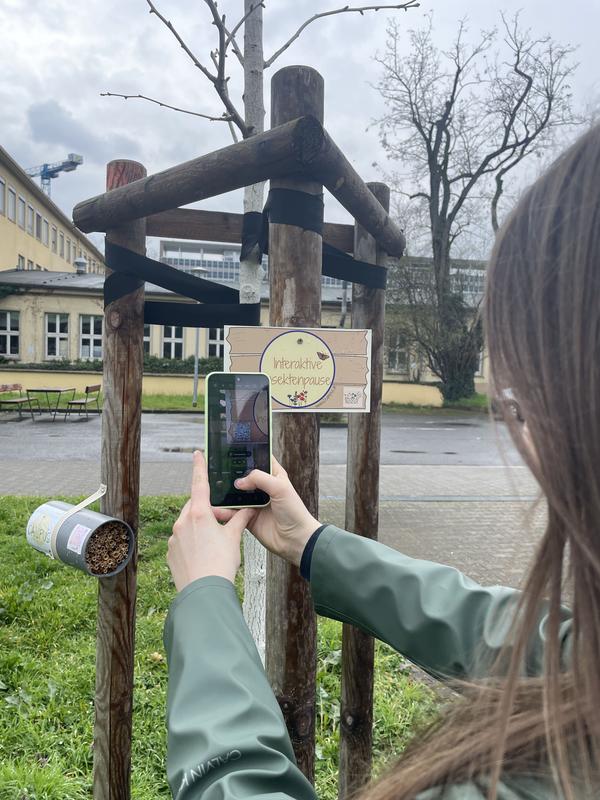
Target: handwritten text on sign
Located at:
point(316, 369)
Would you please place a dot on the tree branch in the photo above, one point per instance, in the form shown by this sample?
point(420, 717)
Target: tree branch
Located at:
point(223, 118)
point(231, 34)
point(346, 9)
point(153, 10)
point(219, 81)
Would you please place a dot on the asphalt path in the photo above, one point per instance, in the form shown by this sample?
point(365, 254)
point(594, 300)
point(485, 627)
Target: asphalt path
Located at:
point(460, 438)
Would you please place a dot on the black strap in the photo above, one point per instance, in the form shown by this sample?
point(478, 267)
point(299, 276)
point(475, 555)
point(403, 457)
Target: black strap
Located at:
point(337, 264)
point(291, 207)
point(220, 304)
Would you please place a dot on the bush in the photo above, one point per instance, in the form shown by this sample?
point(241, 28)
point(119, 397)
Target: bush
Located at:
point(152, 365)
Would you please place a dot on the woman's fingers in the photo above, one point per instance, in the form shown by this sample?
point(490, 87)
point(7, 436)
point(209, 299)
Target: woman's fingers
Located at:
point(223, 514)
point(240, 520)
point(200, 498)
point(259, 480)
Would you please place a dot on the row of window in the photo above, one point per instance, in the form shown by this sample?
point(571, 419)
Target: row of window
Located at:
point(23, 214)
point(227, 270)
point(56, 337)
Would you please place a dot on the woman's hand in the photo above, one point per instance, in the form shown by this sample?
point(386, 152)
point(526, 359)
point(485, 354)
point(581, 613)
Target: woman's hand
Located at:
point(284, 526)
point(200, 546)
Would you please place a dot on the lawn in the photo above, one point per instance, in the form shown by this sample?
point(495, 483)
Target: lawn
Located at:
point(47, 652)
point(150, 402)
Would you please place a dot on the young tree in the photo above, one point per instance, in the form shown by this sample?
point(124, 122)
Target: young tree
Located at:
point(245, 123)
point(459, 121)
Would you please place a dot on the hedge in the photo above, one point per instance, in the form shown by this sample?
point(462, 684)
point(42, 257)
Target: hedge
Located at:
point(152, 365)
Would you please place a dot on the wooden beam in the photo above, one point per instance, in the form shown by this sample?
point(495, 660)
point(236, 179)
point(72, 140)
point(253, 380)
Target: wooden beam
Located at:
point(221, 226)
point(256, 159)
point(295, 301)
point(120, 470)
point(300, 147)
point(362, 517)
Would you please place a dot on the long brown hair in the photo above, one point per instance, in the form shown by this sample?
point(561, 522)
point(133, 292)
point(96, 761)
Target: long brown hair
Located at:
point(542, 319)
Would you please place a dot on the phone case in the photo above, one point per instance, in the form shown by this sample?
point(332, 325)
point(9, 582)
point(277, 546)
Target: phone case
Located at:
point(206, 382)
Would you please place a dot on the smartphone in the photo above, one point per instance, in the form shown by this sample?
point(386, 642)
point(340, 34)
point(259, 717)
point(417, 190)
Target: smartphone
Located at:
point(238, 435)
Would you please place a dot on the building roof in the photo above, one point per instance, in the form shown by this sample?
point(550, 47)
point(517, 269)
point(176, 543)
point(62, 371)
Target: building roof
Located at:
point(62, 281)
point(74, 283)
point(35, 190)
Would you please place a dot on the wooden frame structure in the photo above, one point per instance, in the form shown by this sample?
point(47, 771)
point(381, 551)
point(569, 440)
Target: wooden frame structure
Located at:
point(297, 153)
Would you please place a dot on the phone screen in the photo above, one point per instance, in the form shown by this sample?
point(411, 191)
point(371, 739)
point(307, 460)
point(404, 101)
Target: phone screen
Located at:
point(239, 422)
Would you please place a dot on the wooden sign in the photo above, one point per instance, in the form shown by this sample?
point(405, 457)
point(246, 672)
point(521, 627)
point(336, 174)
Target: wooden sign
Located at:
point(311, 369)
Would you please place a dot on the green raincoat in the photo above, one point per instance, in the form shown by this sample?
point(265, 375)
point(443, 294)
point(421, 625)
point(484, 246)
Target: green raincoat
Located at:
point(227, 739)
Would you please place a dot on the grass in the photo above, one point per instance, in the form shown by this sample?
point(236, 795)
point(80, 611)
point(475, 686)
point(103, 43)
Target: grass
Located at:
point(171, 402)
point(150, 402)
point(47, 653)
point(477, 402)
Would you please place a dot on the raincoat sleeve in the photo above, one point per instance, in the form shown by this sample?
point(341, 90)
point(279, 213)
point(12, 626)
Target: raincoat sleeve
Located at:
point(432, 614)
point(226, 734)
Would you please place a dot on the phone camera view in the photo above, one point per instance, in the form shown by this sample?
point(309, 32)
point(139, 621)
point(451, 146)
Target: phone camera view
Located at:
point(238, 419)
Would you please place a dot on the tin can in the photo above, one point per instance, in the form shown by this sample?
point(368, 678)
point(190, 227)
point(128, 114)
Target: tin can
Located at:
point(94, 543)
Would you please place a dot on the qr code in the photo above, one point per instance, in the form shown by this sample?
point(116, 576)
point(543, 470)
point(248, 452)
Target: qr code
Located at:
point(241, 432)
point(353, 398)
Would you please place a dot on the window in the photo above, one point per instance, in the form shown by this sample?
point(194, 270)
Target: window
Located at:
point(30, 219)
point(61, 244)
point(38, 226)
point(53, 238)
point(90, 336)
point(172, 341)
point(397, 356)
point(480, 365)
point(9, 333)
point(69, 250)
point(147, 332)
point(12, 204)
point(57, 335)
point(2, 196)
point(29, 264)
point(215, 342)
point(45, 232)
point(21, 212)
point(21, 263)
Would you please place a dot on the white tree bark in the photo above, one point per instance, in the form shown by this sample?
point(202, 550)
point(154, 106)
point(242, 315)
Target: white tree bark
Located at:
point(251, 275)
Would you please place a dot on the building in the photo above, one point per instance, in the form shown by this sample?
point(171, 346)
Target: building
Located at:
point(34, 233)
point(217, 262)
point(44, 317)
point(47, 316)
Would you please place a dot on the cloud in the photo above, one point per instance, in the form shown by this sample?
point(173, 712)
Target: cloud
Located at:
point(51, 123)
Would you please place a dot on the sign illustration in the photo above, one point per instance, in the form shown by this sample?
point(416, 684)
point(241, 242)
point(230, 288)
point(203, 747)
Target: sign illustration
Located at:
point(311, 369)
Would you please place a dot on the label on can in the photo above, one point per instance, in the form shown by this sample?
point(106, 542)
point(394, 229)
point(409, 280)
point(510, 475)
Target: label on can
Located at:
point(77, 538)
point(40, 526)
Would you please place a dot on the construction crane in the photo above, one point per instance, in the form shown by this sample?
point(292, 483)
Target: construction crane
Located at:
point(49, 171)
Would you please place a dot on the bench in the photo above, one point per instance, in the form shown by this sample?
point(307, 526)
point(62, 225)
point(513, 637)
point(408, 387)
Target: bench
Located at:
point(92, 395)
point(18, 402)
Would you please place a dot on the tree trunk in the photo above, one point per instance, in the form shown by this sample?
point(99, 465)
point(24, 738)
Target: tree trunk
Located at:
point(251, 275)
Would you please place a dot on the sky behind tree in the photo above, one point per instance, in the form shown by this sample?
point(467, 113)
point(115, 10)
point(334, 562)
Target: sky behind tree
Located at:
point(57, 56)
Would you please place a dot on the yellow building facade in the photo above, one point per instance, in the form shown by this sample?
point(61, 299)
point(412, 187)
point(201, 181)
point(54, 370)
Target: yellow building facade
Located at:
point(46, 317)
point(34, 232)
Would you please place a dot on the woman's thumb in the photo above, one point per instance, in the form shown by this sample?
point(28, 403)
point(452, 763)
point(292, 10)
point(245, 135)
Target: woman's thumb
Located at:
point(258, 480)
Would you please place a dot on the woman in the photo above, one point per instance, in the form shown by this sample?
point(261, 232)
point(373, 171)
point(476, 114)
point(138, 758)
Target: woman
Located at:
point(527, 724)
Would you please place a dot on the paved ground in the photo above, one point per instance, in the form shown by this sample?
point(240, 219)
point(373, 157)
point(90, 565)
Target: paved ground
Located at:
point(445, 494)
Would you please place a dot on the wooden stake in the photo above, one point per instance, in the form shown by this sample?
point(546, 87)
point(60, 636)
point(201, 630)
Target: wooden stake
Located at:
point(362, 517)
point(295, 300)
point(120, 467)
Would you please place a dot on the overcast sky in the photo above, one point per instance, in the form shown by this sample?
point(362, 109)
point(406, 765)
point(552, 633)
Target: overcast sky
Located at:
point(56, 56)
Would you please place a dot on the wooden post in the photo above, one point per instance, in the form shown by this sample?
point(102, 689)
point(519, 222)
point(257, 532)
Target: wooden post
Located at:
point(120, 467)
point(295, 300)
point(362, 517)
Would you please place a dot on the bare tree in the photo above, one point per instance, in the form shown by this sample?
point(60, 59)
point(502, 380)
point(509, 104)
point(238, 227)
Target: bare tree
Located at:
point(248, 122)
point(461, 120)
